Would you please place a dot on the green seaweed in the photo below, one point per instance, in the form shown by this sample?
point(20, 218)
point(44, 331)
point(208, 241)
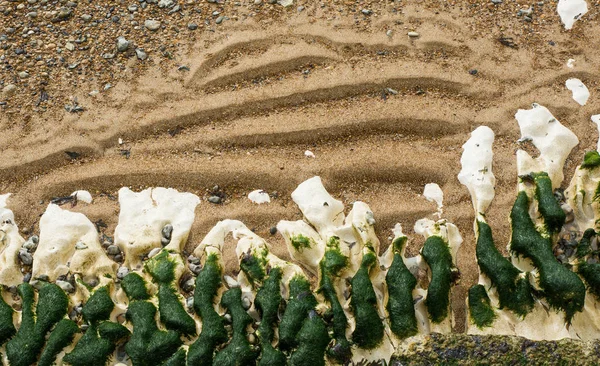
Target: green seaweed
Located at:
point(584, 246)
point(562, 288)
point(91, 350)
point(254, 265)
point(437, 255)
point(213, 330)
point(239, 352)
point(401, 283)
point(591, 274)
point(7, 328)
point(148, 345)
point(312, 342)
point(480, 309)
point(161, 267)
point(591, 160)
point(301, 242)
point(23, 349)
point(300, 302)
point(514, 291)
point(332, 263)
point(178, 359)
point(554, 216)
point(135, 287)
point(268, 299)
point(61, 336)
point(369, 327)
point(98, 307)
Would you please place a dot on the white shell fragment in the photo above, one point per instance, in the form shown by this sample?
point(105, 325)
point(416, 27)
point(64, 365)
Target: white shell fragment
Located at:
point(570, 63)
point(309, 154)
point(83, 196)
point(476, 172)
point(553, 140)
point(580, 91)
point(259, 196)
point(570, 11)
point(433, 193)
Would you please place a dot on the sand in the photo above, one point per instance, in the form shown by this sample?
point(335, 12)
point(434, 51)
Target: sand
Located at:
point(383, 113)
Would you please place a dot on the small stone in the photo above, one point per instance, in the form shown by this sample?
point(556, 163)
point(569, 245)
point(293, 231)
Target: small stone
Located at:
point(141, 54)
point(154, 252)
point(165, 3)
point(80, 245)
point(413, 34)
point(285, 3)
point(70, 46)
point(118, 258)
point(188, 286)
point(115, 18)
point(220, 19)
point(273, 230)
point(113, 250)
point(231, 282)
point(122, 272)
point(23, 74)
point(86, 17)
point(25, 257)
point(300, 9)
point(193, 259)
point(27, 277)
point(152, 24)
point(389, 33)
point(227, 318)
point(91, 281)
point(167, 231)
point(132, 8)
point(31, 243)
point(214, 199)
point(366, 11)
point(32, 14)
point(122, 44)
point(246, 303)
point(64, 14)
point(192, 26)
point(9, 90)
point(66, 286)
point(43, 277)
point(496, 2)
point(195, 268)
point(189, 302)
point(473, 72)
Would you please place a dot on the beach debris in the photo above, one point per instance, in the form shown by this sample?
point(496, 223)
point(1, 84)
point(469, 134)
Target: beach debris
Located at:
point(580, 91)
point(83, 196)
point(508, 42)
point(413, 34)
point(309, 154)
point(570, 63)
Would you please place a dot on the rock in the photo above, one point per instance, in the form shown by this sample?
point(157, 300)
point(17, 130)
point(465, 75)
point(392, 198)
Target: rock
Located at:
point(23, 74)
point(496, 2)
point(413, 34)
point(80, 245)
point(192, 26)
point(300, 9)
point(473, 72)
point(141, 54)
point(25, 257)
point(193, 259)
point(366, 12)
point(285, 3)
point(122, 44)
point(27, 277)
point(273, 230)
point(195, 268)
point(154, 252)
point(70, 46)
point(220, 19)
point(9, 90)
point(113, 250)
point(389, 33)
point(132, 8)
point(32, 14)
point(167, 230)
point(122, 272)
point(152, 24)
point(231, 282)
point(66, 286)
point(246, 303)
point(175, 9)
point(188, 286)
point(63, 14)
point(31, 243)
point(189, 302)
point(86, 17)
point(165, 3)
point(214, 199)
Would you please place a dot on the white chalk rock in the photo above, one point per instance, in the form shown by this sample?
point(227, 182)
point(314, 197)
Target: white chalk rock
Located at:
point(83, 196)
point(145, 214)
point(433, 193)
point(579, 90)
point(476, 172)
point(309, 154)
point(10, 243)
point(553, 140)
point(570, 11)
point(596, 119)
point(320, 209)
point(61, 233)
point(303, 242)
point(259, 196)
point(570, 63)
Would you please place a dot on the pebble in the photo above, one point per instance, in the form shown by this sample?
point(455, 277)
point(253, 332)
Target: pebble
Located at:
point(9, 90)
point(188, 286)
point(152, 24)
point(189, 302)
point(413, 34)
point(366, 12)
point(23, 74)
point(496, 2)
point(86, 17)
point(113, 250)
point(300, 9)
point(25, 257)
point(165, 3)
point(473, 72)
point(231, 282)
point(192, 26)
point(273, 230)
point(27, 277)
point(193, 259)
point(195, 268)
point(66, 286)
point(220, 19)
point(154, 252)
point(122, 44)
point(141, 54)
point(389, 33)
point(122, 272)
point(80, 245)
point(31, 243)
point(246, 303)
point(132, 8)
point(91, 281)
point(70, 46)
point(214, 199)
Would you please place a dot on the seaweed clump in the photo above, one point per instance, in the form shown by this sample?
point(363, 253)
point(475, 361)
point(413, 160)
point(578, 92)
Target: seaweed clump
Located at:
point(300, 303)
point(480, 309)
point(401, 283)
point(437, 255)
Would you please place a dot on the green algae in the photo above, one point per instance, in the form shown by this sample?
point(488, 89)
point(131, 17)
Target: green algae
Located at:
point(312, 342)
point(301, 242)
point(7, 328)
point(178, 359)
point(332, 263)
point(31, 336)
point(554, 216)
point(61, 336)
point(514, 292)
point(562, 288)
point(480, 309)
point(268, 299)
point(254, 265)
point(300, 303)
point(437, 255)
point(239, 352)
point(98, 307)
point(369, 327)
point(213, 331)
point(148, 345)
point(400, 284)
point(91, 350)
point(161, 267)
point(591, 160)
point(584, 247)
point(135, 287)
